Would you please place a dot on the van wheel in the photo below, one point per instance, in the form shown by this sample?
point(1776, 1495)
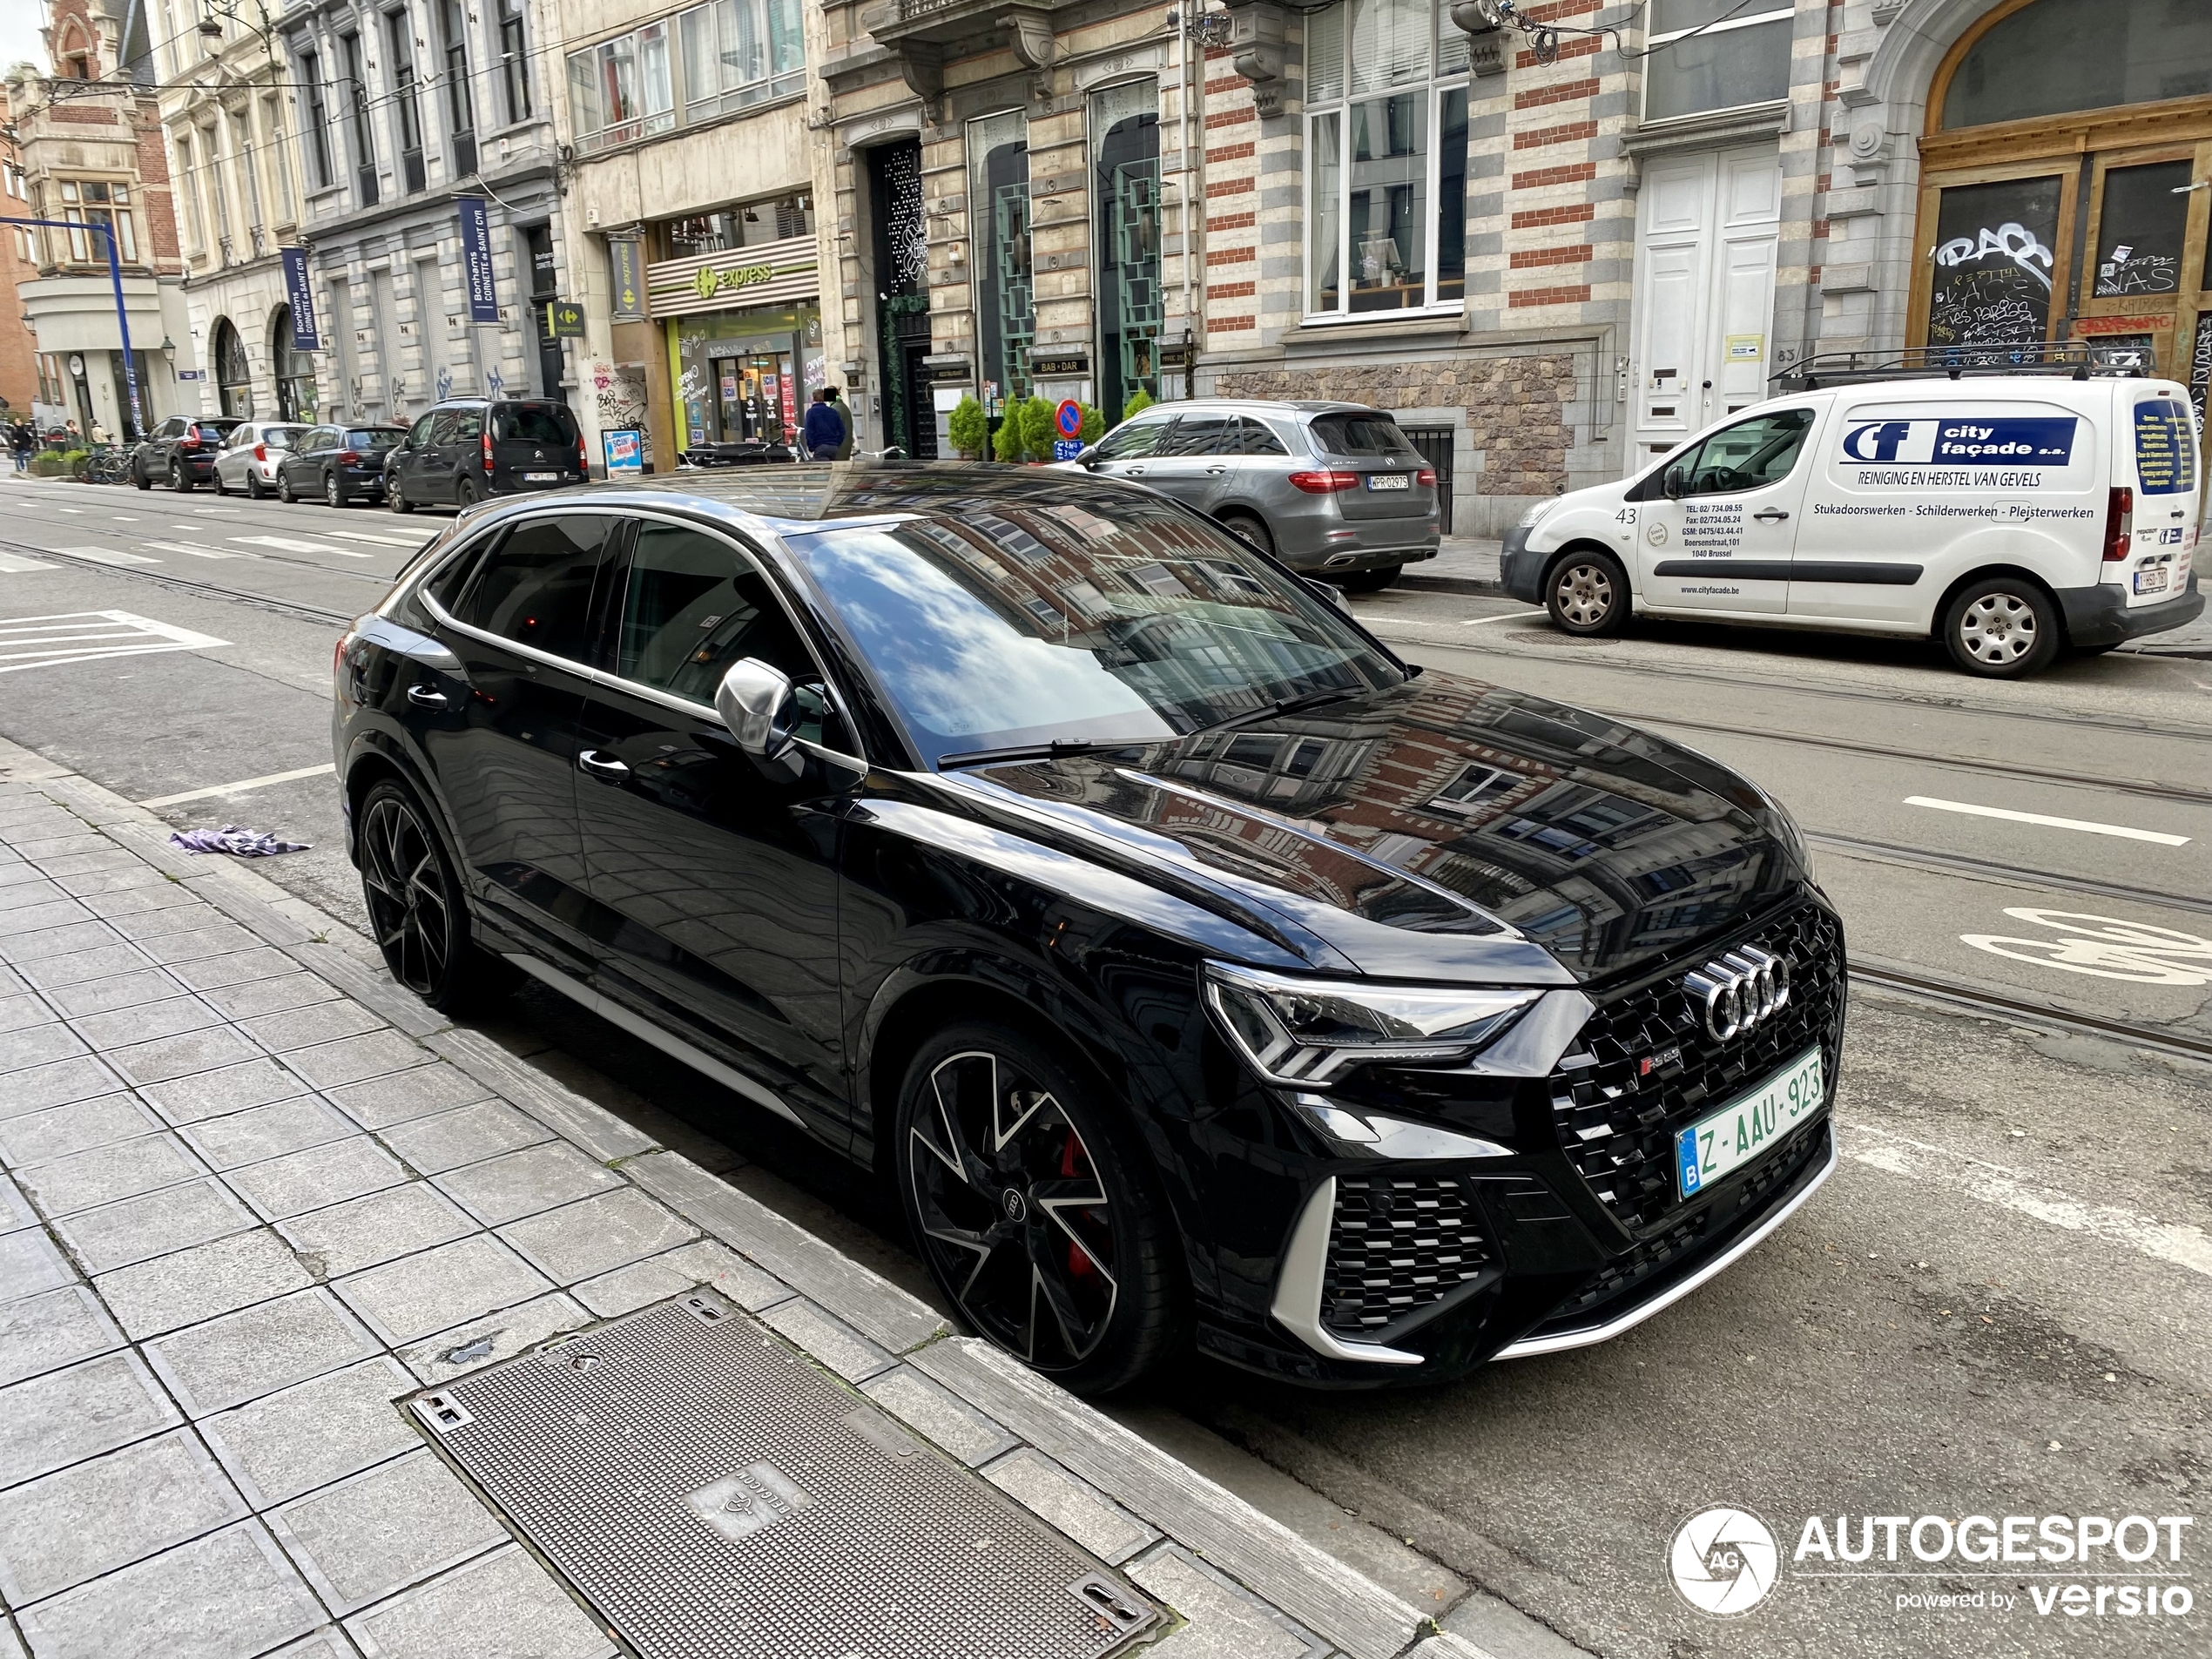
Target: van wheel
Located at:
point(1036, 1207)
point(1587, 594)
point(464, 495)
point(393, 499)
point(2001, 628)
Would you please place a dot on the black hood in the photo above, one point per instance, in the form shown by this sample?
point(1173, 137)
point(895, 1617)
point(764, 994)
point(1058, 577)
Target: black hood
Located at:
point(1440, 828)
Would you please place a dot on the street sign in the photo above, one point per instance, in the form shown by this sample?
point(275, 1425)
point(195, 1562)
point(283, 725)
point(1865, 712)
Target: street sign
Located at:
point(1068, 417)
point(1067, 448)
point(563, 319)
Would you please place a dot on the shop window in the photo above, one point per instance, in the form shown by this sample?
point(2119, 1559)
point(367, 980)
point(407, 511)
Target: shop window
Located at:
point(2057, 56)
point(1387, 204)
point(621, 89)
point(1125, 121)
point(998, 225)
point(1705, 56)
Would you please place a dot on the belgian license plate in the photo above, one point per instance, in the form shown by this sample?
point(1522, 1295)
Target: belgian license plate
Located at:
point(2151, 581)
point(1389, 481)
point(540, 477)
point(1749, 1127)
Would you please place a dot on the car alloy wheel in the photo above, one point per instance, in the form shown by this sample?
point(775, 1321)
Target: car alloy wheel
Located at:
point(393, 499)
point(1587, 594)
point(284, 489)
point(1245, 528)
point(1031, 1209)
point(2001, 628)
point(417, 910)
point(332, 494)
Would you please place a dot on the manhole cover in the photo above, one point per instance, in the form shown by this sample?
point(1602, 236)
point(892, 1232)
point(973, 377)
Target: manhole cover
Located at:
point(712, 1494)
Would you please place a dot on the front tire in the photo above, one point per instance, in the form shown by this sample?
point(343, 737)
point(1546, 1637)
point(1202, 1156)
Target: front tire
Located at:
point(2002, 627)
point(284, 489)
point(216, 479)
point(393, 499)
point(139, 478)
point(1036, 1207)
point(1587, 594)
point(417, 912)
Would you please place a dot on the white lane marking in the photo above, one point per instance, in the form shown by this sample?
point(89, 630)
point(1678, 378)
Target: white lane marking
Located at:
point(2133, 951)
point(125, 518)
point(87, 636)
point(106, 556)
point(1503, 616)
point(1992, 1183)
point(196, 550)
point(12, 563)
point(239, 788)
point(78, 510)
point(290, 544)
point(381, 540)
point(2044, 818)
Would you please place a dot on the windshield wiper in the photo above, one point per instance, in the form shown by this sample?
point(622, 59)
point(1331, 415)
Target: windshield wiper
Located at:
point(1297, 705)
point(1059, 748)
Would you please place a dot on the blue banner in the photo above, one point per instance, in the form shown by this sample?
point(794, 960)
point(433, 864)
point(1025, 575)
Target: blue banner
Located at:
point(305, 336)
point(475, 260)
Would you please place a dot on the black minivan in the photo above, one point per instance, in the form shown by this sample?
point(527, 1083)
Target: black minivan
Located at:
point(467, 448)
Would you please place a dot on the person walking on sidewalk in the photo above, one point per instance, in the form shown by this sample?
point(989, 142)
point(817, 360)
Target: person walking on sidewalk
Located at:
point(845, 413)
point(21, 440)
point(824, 431)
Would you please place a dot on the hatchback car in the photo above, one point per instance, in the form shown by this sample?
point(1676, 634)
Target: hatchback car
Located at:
point(1335, 489)
point(180, 452)
point(463, 451)
point(337, 464)
point(248, 458)
point(1193, 967)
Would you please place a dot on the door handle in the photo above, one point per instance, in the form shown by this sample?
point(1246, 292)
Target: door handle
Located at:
point(603, 767)
point(423, 697)
point(1216, 472)
point(1134, 472)
point(1770, 515)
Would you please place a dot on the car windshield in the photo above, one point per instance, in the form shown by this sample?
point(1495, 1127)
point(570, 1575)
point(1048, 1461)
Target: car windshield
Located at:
point(1088, 616)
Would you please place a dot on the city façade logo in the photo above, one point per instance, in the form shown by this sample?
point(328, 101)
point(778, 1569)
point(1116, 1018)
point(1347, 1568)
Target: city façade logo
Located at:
point(1725, 1561)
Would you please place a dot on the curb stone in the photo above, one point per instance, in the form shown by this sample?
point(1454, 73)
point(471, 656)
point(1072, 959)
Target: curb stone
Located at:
point(1238, 1570)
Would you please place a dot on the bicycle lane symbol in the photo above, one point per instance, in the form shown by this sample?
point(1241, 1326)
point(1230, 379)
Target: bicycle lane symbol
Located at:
point(2104, 947)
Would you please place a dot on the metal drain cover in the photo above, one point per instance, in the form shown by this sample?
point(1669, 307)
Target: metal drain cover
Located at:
point(714, 1496)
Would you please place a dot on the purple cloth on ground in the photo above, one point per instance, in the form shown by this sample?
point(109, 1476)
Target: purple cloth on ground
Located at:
point(231, 838)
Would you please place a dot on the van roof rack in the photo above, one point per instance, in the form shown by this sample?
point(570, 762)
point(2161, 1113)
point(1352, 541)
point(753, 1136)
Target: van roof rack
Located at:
point(2076, 358)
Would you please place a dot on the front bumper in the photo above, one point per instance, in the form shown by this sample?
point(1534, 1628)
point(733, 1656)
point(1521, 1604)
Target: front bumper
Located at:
point(2102, 615)
point(1520, 571)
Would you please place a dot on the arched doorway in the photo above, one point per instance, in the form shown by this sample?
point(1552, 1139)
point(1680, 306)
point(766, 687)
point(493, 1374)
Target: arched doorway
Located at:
point(295, 370)
point(2063, 192)
point(233, 373)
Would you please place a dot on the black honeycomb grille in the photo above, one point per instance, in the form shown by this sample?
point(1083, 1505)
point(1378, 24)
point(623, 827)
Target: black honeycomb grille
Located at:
point(1400, 1243)
point(1617, 1124)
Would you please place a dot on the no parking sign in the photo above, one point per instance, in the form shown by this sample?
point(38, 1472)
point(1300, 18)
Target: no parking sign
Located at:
point(1068, 420)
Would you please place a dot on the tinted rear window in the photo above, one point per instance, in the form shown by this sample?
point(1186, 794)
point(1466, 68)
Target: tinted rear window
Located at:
point(535, 586)
point(1360, 434)
point(216, 428)
point(535, 423)
point(373, 438)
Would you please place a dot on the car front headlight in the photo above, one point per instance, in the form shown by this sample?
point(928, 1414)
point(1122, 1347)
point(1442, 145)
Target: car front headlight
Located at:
point(1536, 510)
point(1302, 1033)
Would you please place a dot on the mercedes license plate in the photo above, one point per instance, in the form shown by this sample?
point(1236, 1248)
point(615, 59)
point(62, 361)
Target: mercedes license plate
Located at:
point(1389, 481)
point(540, 477)
point(2151, 581)
point(1749, 1127)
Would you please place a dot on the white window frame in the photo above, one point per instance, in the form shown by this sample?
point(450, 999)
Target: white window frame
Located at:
point(1432, 88)
point(1778, 11)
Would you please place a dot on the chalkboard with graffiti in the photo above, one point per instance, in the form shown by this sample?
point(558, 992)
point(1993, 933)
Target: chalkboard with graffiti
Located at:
point(1993, 263)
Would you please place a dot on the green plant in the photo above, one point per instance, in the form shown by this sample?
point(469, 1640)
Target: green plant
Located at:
point(55, 463)
point(1093, 427)
point(1137, 405)
point(1036, 428)
point(1006, 442)
point(969, 428)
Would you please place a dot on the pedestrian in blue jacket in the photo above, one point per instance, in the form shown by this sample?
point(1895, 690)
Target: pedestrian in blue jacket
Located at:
point(825, 429)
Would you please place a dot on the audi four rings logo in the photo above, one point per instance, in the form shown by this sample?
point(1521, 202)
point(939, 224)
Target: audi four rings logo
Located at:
point(1738, 990)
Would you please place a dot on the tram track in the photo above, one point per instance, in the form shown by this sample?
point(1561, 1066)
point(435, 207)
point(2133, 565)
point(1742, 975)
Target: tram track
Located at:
point(2014, 875)
point(1976, 999)
point(162, 577)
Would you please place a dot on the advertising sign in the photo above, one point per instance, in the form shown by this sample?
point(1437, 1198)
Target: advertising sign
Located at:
point(301, 298)
point(626, 263)
point(475, 260)
point(625, 452)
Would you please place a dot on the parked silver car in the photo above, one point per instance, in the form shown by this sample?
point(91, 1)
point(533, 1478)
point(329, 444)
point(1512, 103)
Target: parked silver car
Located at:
point(248, 459)
point(1332, 489)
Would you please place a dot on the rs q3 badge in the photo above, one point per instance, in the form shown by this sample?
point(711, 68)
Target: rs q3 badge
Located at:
point(1656, 534)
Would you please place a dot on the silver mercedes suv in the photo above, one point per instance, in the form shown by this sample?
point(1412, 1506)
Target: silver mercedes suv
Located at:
point(1331, 490)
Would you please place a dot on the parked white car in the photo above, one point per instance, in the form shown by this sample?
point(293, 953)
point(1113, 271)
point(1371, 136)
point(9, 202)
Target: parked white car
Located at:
point(2011, 515)
point(248, 459)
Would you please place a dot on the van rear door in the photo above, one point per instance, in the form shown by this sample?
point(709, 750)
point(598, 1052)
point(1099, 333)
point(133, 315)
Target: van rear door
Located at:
point(534, 446)
point(2159, 457)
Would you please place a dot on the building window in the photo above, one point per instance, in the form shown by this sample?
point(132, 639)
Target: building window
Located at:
point(998, 228)
point(1125, 185)
point(740, 53)
point(778, 220)
point(350, 51)
point(188, 188)
point(1702, 56)
point(318, 120)
point(234, 374)
point(2058, 57)
point(460, 103)
point(400, 45)
point(1386, 143)
point(89, 202)
point(514, 60)
point(294, 370)
point(280, 164)
point(249, 172)
point(621, 89)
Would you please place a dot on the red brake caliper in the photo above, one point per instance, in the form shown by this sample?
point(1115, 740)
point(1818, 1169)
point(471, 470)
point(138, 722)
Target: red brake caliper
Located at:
point(1079, 1262)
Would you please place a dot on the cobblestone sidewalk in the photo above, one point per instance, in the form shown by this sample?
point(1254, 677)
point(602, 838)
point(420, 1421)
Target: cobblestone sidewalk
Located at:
point(253, 1194)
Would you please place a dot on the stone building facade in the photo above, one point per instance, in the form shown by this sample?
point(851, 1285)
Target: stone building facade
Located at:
point(88, 140)
point(23, 377)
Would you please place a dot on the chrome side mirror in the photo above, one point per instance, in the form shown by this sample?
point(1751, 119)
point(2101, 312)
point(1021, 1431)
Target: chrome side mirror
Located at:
point(758, 705)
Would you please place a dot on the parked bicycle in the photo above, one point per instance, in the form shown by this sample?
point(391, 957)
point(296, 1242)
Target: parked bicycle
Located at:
point(104, 463)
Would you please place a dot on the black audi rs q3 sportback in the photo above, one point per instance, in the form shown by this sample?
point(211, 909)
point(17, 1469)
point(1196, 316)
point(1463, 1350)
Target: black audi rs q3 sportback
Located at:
point(1197, 970)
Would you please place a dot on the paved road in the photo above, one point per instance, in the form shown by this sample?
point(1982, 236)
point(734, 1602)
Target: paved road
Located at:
point(1998, 1306)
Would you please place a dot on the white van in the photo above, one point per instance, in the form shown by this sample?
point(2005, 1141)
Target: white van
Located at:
point(2012, 515)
